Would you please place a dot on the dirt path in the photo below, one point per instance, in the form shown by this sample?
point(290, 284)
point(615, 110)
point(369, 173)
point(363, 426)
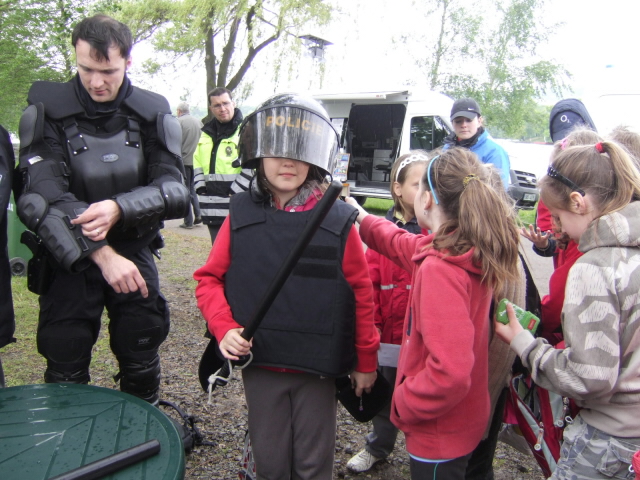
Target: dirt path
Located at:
point(224, 422)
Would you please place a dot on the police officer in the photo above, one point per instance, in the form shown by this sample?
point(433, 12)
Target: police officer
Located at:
point(7, 320)
point(217, 174)
point(101, 168)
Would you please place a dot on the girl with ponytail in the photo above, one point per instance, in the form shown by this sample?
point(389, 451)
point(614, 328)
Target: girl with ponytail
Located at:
point(593, 193)
point(441, 400)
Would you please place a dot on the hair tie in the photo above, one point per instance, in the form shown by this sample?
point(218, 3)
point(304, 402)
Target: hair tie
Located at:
point(410, 159)
point(599, 147)
point(433, 191)
point(467, 179)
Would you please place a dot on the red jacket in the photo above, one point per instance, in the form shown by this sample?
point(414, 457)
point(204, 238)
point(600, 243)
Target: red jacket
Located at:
point(441, 398)
point(217, 313)
point(563, 260)
point(391, 285)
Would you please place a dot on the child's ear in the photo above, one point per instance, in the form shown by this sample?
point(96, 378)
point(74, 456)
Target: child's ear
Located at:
point(397, 189)
point(578, 203)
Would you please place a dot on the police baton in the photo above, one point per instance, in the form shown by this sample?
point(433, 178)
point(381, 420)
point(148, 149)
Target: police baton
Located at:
point(212, 361)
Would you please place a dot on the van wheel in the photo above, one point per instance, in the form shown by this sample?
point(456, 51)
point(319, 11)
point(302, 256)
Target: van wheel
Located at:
point(360, 200)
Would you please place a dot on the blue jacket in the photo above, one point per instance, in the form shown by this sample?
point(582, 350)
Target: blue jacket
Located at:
point(490, 152)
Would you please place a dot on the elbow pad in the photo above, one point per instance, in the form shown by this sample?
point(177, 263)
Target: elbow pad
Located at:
point(176, 198)
point(32, 208)
point(140, 206)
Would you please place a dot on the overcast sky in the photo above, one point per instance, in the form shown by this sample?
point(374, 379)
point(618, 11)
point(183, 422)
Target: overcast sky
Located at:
point(598, 43)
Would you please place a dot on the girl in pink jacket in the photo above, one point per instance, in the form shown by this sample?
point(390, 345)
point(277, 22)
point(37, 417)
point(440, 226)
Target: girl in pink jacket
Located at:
point(441, 398)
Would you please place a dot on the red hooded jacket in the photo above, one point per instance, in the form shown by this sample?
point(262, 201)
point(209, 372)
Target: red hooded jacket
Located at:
point(441, 398)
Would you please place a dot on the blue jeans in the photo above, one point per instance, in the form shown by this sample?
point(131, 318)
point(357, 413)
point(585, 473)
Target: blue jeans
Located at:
point(188, 172)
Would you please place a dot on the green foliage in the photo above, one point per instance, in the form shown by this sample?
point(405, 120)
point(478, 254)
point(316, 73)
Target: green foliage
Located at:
point(34, 45)
point(226, 35)
point(492, 58)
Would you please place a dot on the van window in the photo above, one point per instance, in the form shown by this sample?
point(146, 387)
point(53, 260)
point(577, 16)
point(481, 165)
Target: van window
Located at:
point(427, 133)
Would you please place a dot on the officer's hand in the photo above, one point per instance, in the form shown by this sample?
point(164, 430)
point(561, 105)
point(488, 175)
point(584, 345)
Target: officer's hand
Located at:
point(119, 272)
point(98, 219)
point(233, 345)
point(363, 382)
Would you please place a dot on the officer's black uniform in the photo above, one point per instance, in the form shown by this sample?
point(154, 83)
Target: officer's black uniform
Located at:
point(7, 322)
point(75, 152)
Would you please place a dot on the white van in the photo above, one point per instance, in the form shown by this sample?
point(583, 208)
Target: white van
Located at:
point(378, 127)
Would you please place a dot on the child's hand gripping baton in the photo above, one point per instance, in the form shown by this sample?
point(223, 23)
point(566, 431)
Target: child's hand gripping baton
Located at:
point(215, 362)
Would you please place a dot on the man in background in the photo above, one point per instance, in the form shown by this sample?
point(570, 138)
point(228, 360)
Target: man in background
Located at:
point(190, 134)
point(214, 162)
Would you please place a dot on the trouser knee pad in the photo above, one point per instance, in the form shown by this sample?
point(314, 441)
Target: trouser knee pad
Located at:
point(141, 379)
point(51, 375)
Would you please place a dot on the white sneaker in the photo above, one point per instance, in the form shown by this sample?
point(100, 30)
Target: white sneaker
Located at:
point(362, 461)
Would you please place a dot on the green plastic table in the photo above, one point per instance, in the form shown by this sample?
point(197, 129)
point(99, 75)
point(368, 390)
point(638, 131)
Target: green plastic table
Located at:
point(47, 430)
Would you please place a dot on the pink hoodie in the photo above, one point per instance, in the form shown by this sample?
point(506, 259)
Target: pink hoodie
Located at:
point(441, 399)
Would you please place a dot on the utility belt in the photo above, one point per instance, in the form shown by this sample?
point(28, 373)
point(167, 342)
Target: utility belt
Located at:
point(42, 265)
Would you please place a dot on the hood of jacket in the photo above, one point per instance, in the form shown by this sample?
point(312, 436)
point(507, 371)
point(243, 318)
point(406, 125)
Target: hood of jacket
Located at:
point(464, 261)
point(618, 229)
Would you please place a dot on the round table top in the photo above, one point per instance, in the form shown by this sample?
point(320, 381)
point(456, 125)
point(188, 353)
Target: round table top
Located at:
point(50, 429)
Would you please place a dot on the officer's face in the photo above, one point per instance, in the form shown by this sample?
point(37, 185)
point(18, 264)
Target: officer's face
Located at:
point(222, 107)
point(102, 79)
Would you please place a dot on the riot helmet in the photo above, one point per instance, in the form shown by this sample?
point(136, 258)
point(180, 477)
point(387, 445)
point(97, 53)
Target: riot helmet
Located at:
point(292, 126)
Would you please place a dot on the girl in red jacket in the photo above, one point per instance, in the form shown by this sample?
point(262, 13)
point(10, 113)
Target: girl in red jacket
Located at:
point(391, 285)
point(320, 325)
point(441, 399)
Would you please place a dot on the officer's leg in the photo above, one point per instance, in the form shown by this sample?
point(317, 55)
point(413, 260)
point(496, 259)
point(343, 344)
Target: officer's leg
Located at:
point(137, 327)
point(69, 324)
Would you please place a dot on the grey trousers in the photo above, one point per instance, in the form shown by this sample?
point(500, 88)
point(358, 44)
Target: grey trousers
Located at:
point(292, 424)
point(382, 439)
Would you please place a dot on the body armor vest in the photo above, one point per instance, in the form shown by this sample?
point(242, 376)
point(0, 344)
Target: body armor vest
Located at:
point(105, 164)
point(311, 324)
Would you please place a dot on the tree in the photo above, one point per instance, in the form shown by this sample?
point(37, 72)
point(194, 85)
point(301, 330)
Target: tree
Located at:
point(29, 52)
point(227, 35)
point(494, 60)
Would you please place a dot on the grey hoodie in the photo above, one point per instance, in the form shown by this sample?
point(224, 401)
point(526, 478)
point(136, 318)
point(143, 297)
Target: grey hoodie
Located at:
point(600, 366)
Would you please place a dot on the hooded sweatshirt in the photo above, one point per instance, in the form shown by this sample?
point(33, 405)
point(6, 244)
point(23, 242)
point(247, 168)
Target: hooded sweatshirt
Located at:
point(441, 399)
point(600, 365)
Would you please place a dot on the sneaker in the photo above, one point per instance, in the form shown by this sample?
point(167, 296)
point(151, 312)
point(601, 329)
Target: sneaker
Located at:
point(197, 221)
point(362, 461)
point(184, 225)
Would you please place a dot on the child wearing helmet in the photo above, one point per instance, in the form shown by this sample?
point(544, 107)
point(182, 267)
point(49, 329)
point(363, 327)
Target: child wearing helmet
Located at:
point(320, 326)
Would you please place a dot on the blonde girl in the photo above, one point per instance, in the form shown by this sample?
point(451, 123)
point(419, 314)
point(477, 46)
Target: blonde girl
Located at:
point(592, 193)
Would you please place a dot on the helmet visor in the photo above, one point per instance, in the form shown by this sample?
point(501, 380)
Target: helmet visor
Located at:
point(288, 132)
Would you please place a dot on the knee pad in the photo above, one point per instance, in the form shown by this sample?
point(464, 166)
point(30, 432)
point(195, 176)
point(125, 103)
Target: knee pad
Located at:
point(51, 375)
point(67, 349)
point(141, 379)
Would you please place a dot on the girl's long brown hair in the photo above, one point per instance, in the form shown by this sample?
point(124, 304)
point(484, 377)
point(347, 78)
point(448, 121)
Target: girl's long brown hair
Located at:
point(480, 215)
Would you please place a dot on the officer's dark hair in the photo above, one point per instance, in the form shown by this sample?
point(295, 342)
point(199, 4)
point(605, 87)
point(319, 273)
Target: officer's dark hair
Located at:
point(102, 32)
point(218, 91)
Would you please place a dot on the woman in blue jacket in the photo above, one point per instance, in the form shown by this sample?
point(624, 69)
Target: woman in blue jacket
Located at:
point(468, 132)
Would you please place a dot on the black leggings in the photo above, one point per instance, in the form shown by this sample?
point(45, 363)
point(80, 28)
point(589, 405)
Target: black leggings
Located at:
point(450, 470)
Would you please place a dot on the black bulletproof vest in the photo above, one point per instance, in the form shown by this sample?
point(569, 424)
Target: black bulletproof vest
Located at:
point(311, 324)
point(106, 163)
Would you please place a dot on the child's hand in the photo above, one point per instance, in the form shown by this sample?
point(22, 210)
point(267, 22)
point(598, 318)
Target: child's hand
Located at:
point(361, 211)
point(508, 332)
point(539, 238)
point(233, 345)
point(363, 382)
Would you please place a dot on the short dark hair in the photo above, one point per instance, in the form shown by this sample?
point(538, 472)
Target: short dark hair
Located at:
point(102, 32)
point(218, 91)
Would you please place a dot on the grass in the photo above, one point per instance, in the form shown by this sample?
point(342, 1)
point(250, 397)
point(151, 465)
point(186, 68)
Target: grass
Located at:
point(22, 363)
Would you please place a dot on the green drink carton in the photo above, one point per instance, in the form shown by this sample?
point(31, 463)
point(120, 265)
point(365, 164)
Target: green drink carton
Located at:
point(527, 319)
